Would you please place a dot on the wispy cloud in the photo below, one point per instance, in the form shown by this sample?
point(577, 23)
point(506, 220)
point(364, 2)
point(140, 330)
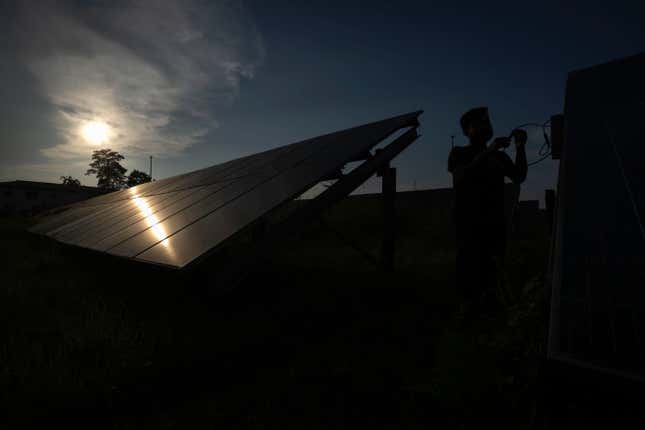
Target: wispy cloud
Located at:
point(155, 71)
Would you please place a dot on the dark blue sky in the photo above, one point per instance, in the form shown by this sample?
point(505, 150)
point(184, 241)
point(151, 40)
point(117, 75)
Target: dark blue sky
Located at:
point(328, 67)
point(308, 68)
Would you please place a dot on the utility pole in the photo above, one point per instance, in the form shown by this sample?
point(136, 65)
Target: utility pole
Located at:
point(150, 168)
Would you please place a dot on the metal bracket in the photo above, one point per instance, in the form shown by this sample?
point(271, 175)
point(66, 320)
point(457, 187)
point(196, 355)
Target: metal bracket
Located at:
point(236, 270)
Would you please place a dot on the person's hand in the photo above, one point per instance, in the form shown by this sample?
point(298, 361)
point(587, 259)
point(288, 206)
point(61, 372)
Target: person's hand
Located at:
point(501, 142)
point(520, 136)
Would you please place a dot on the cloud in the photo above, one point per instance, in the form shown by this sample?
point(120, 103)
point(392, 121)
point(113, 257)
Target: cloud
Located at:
point(154, 71)
point(46, 172)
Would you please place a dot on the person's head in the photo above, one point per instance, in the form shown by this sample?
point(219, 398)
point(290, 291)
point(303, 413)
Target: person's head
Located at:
point(476, 125)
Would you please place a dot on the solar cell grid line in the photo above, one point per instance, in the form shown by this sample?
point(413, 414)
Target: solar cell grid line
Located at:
point(235, 170)
point(105, 217)
point(155, 186)
point(146, 188)
point(212, 173)
point(120, 206)
point(69, 215)
point(154, 228)
point(146, 239)
point(128, 214)
point(143, 235)
point(115, 228)
point(98, 210)
point(121, 195)
point(203, 181)
point(293, 153)
point(262, 163)
point(179, 182)
point(255, 162)
point(146, 217)
point(293, 156)
point(149, 188)
point(213, 225)
point(185, 182)
point(111, 197)
point(70, 229)
point(171, 184)
point(235, 214)
point(159, 187)
point(170, 226)
point(152, 188)
point(141, 207)
point(150, 209)
point(174, 223)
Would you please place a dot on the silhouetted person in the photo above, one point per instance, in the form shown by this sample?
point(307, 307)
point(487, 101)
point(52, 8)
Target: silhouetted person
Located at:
point(478, 173)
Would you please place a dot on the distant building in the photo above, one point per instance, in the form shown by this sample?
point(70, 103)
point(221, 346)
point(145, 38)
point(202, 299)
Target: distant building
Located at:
point(27, 197)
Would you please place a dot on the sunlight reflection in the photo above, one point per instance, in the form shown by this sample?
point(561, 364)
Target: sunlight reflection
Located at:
point(152, 221)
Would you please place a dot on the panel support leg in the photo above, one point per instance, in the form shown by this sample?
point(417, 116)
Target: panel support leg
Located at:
point(388, 194)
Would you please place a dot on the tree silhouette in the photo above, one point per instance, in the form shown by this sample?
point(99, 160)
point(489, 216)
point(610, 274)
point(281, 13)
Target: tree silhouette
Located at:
point(138, 177)
point(69, 181)
point(109, 172)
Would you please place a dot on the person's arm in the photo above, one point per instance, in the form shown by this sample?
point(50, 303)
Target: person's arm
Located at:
point(459, 172)
point(517, 171)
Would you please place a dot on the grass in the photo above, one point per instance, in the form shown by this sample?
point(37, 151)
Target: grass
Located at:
point(315, 338)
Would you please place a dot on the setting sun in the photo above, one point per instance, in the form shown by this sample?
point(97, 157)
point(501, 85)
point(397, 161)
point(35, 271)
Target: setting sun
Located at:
point(96, 132)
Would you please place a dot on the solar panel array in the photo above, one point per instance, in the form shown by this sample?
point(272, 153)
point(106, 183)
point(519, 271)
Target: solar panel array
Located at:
point(598, 306)
point(174, 221)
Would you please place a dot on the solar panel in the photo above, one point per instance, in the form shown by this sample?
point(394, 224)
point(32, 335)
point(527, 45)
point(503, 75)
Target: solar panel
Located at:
point(175, 221)
point(598, 294)
point(65, 215)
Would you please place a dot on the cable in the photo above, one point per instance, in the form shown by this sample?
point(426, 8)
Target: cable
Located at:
point(538, 160)
point(545, 150)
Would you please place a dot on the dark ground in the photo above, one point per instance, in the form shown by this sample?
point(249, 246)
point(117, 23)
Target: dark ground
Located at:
point(315, 338)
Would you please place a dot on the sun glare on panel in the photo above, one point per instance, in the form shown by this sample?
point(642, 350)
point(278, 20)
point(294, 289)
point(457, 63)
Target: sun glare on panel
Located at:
point(152, 221)
point(96, 132)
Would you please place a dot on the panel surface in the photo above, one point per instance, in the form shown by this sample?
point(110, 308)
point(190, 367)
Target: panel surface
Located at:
point(67, 216)
point(598, 303)
point(176, 220)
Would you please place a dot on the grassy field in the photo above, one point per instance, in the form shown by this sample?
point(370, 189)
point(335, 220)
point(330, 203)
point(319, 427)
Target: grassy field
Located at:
point(315, 337)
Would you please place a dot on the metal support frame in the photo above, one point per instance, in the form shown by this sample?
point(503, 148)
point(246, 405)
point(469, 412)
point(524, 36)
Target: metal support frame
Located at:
point(352, 244)
point(379, 162)
point(388, 195)
point(388, 243)
point(349, 182)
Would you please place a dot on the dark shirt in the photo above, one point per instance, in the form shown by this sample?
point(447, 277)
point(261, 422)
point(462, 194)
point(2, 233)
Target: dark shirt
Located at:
point(479, 198)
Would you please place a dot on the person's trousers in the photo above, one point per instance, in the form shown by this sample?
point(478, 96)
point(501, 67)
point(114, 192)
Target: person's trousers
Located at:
point(477, 273)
